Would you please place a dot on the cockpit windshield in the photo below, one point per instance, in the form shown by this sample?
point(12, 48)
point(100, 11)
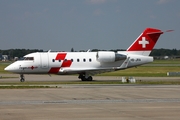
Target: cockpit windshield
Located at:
point(28, 58)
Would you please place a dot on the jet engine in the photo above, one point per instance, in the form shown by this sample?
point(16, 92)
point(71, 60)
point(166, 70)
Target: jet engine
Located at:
point(109, 56)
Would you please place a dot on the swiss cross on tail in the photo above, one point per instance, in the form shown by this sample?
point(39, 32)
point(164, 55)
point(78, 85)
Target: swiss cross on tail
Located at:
point(146, 41)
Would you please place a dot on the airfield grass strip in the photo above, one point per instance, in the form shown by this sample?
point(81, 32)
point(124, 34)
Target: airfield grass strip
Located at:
point(1, 77)
point(60, 82)
point(159, 82)
point(144, 71)
point(21, 87)
point(172, 61)
point(37, 85)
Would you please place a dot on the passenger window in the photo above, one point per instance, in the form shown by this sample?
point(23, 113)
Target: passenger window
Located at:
point(53, 60)
point(84, 60)
point(59, 60)
point(90, 60)
point(77, 60)
point(71, 60)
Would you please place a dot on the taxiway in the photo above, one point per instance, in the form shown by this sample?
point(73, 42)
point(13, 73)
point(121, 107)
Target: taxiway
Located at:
point(90, 102)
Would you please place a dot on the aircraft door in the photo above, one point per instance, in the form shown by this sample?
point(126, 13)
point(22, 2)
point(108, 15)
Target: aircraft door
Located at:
point(44, 60)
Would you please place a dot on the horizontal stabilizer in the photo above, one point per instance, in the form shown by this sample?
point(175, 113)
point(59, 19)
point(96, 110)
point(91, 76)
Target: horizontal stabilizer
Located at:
point(150, 33)
point(169, 30)
point(160, 32)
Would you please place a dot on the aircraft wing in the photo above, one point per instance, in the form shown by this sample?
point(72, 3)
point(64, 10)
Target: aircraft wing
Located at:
point(93, 71)
point(90, 71)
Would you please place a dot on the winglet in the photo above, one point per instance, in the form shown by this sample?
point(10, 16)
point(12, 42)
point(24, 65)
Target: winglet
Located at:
point(169, 30)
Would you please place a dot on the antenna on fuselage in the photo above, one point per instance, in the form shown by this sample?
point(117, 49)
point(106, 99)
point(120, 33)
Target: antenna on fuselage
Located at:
point(89, 50)
point(49, 51)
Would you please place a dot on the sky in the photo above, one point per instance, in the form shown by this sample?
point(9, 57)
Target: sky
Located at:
point(60, 25)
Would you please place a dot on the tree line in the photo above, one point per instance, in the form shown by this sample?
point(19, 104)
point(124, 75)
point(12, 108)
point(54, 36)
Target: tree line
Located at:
point(165, 52)
point(18, 52)
point(21, 52)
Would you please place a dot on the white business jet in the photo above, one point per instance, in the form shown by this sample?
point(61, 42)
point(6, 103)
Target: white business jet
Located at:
point(87, 64)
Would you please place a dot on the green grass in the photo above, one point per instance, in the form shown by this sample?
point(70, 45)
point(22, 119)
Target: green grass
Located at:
point(144, 71)
point(34, 83)
point(173, 61)
point(38, 85)
point(21, 87)
point(159, 82)
point(3, 65)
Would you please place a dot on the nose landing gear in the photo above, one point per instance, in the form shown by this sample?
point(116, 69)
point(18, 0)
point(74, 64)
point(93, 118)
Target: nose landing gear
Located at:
point(22, 78)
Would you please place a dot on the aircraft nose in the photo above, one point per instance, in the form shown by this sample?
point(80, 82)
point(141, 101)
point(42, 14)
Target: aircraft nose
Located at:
point(11, 68)
point(8, 68)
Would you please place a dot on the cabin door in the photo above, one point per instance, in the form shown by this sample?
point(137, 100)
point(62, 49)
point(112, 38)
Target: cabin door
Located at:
point(44, 60)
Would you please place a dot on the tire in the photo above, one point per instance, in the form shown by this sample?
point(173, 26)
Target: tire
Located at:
point(22, 80)
point(90, 78)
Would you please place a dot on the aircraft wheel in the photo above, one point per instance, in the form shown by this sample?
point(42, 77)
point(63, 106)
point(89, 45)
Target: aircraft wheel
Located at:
point(90, 78)
point(22, 80)
point(83, 78)
point(87, 79)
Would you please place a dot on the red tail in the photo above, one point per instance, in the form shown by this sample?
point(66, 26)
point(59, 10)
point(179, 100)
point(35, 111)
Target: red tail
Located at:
point(146, 41)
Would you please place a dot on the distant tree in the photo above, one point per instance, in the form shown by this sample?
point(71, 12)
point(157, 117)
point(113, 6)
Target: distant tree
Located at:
point(18, 52)
point(94, 50)
point(174, 52)
point(21, 52)
point(72, 49)
point(165, 52)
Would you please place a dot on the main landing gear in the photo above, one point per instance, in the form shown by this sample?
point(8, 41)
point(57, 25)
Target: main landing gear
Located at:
point(22, 78)
point(85, 77)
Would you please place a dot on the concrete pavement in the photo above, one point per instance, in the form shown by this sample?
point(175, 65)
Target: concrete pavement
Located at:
point(91, 102)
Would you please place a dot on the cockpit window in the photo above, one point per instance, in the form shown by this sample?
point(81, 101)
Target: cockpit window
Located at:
point(28, 58)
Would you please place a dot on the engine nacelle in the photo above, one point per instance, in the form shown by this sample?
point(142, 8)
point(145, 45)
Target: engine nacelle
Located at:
point(109, 56)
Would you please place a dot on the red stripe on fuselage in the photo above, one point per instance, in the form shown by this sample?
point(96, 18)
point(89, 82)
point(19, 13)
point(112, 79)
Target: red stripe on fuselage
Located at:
point(66, 63)
point(60, 56)
point(54, 70)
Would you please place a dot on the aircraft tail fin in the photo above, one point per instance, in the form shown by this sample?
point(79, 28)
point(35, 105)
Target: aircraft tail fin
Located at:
point(144, 44)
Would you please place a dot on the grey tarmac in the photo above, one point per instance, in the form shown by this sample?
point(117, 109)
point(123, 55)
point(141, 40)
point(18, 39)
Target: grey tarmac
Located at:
point(46, 77)
point(90, 102)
